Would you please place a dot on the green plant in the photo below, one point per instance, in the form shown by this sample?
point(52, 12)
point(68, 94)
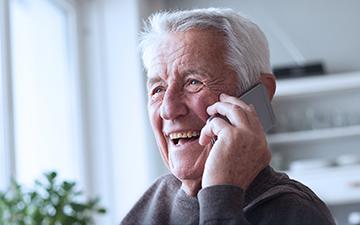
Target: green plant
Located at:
point(50, 203)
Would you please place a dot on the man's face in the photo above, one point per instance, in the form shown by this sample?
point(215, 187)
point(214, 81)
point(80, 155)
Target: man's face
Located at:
point(187, 74)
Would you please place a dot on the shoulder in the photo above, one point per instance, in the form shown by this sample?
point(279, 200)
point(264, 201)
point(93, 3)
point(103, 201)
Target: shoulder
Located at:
point(163, 187)
point(163, 184)
point(157, 199)
point(288, 201)
point(169, 180)
point(290, 208)
point(270, 184)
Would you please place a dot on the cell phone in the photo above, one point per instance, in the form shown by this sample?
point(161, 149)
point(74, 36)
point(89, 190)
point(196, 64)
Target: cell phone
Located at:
point(258, 97)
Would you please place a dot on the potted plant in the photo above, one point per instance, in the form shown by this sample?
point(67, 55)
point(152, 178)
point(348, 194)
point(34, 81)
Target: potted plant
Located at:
point(50, 202)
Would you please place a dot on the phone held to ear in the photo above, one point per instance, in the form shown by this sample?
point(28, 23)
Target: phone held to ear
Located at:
point(258, 97)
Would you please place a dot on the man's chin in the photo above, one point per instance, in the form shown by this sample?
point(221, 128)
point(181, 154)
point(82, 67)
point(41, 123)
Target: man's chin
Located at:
point(189, 166)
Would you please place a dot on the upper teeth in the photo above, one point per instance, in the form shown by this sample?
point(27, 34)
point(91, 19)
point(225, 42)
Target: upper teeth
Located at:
point(188, 134)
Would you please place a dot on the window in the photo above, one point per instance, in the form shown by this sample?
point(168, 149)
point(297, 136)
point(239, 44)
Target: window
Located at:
point(47, 124)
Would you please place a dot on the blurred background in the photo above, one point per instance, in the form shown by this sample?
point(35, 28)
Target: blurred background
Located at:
point(73, 96)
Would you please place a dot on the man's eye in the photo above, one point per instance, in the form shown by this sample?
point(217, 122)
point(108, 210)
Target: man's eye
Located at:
point(194, 82)
point(157, 90)
point(194, 85)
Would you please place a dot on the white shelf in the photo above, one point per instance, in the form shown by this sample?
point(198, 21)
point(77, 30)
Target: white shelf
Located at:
point(313, 135)
point(289, 88)
point(334, 185)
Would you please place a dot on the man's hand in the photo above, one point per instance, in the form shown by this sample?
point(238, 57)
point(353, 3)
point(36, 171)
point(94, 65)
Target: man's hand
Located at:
point(240, 151)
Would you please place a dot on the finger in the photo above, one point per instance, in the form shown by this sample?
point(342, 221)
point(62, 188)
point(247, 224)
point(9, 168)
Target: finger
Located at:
point(236, 115)
point(219, 116)
point(212, 129)
point(249, 109)
point(206, 135)
point(234, 100)
point(254, 119)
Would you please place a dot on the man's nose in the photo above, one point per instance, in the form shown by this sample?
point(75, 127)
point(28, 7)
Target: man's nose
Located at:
point(173, 105)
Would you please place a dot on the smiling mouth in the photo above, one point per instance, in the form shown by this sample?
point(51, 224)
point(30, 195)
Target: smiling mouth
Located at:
point(183, 137)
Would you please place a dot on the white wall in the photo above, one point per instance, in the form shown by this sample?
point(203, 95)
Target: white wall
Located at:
point(325, 30)
point(126, 102)
point(117, 127)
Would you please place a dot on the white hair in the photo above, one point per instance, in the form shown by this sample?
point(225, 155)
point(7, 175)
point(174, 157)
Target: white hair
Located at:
point(247, 50)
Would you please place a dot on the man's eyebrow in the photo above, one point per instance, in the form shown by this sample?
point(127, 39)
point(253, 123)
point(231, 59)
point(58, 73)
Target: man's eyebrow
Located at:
point(153, 80)
point(156, 79)
point(199, 72)
point(190, 72)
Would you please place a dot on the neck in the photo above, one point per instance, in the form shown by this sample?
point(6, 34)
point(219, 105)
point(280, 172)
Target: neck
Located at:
point(191, 187)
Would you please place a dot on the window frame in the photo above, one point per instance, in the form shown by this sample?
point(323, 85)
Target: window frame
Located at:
point(7, 152)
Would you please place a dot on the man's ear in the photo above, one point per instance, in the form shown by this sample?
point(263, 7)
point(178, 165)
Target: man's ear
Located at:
point(269, 81)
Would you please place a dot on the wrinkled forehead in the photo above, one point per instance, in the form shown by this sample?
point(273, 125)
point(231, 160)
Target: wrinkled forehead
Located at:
point(162, 51)
point(198, 47)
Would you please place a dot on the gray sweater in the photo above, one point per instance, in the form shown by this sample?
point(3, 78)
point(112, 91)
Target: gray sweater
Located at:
point(271, 199)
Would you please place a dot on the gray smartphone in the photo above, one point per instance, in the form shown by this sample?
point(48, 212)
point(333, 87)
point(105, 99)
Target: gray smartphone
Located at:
point(258, 97)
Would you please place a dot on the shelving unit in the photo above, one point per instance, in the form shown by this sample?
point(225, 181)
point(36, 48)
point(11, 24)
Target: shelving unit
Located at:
point(335, 185)
point(307, 86)
point(315, 135)
point(318, 123)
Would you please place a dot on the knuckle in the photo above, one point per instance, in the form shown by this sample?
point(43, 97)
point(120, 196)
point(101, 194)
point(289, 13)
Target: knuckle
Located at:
point(236, 108)
point(250, 108)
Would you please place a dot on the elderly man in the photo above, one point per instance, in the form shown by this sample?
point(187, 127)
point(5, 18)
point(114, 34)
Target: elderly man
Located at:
point(198, 63)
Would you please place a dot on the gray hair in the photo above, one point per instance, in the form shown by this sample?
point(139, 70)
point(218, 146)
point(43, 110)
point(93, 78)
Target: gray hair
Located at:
point(247, 48)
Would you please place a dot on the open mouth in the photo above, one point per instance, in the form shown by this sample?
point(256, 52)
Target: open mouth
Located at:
point(184, 137)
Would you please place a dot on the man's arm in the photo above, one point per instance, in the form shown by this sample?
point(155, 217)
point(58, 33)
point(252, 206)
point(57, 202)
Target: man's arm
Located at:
point(222, 204)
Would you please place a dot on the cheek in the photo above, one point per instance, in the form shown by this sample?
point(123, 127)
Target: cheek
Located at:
point(154, 117)
point(156, 124)
point(201, 103)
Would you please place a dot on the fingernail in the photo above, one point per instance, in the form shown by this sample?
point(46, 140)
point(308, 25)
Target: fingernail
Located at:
point(208, 109)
